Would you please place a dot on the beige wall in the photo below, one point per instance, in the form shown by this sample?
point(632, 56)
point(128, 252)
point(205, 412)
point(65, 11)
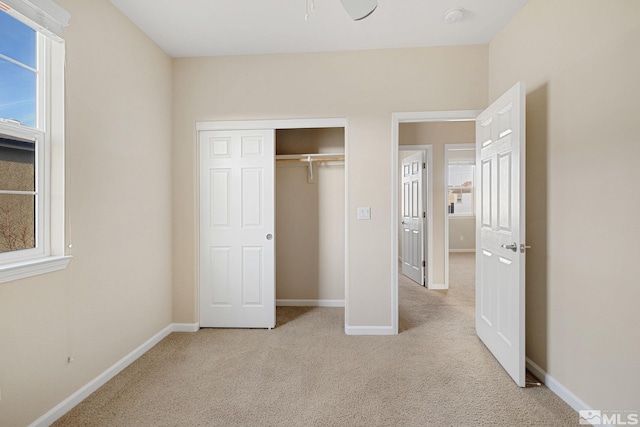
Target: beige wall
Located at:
point(365, 87)
point(116, 292)
point(438, 134)
point(581, 61)
point(310, 217)
point(464, 227)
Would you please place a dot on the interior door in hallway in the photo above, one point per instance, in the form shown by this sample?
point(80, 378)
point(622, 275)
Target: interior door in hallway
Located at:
point(413, 218)
point(237, 259)
point(500, 230)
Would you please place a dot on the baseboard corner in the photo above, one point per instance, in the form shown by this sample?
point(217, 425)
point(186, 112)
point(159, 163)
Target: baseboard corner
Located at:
point(555, 386)
point(186, 327)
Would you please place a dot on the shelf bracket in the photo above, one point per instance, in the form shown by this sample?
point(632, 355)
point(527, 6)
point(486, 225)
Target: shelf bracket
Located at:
point(310, 178)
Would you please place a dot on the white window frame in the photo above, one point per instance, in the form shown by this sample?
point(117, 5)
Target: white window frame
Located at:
point(49, 253)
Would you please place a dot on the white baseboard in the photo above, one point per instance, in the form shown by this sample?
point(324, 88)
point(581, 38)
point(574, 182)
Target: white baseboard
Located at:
point(66, 405)
point(310, 303)
point(560, 390)
point(462, 250)
point(186, 327)
point(438, 286)
point(368, 330)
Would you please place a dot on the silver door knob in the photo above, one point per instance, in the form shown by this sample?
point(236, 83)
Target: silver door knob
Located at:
point(269, 236)
point(512, 246)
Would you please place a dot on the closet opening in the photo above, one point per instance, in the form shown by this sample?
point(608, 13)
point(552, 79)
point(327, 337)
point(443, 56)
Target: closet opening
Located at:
point(272, 222)
point(310, 217)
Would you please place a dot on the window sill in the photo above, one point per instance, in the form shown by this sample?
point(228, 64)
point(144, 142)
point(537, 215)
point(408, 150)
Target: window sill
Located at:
point(34, 267)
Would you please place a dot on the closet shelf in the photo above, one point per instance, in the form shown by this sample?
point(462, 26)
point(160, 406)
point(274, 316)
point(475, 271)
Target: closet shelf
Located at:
point(310, 158)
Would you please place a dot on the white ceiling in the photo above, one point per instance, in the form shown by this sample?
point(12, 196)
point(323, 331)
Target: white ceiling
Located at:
point(243, 27)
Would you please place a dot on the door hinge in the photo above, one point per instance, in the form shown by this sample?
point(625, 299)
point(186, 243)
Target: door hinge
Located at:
point(424, 214)
point(424, 263)
point(424, 165)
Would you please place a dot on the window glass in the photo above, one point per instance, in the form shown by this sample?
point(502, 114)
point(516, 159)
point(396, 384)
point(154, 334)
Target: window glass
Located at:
point(18, 102)
point(17, 40)
point(17, 165)
point(17, 93)
point(18, 78)
point(17, 222)
point(17, 195)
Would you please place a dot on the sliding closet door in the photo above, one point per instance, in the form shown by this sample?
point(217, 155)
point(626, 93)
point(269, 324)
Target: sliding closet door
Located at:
point(237, 263)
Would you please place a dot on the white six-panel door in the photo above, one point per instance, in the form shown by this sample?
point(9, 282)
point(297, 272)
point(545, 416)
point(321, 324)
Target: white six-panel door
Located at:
point(500, 228)
point(237, 260)
point(412, 218)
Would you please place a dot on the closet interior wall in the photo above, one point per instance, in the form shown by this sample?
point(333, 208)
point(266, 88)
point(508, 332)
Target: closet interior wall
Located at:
point(310, 231)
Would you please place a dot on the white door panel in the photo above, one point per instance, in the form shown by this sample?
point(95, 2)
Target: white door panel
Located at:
point(500, 228)
point(237, 268)
point(412, 218)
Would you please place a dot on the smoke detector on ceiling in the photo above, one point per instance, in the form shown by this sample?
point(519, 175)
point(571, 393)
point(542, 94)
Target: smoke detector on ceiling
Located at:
point(454, 15)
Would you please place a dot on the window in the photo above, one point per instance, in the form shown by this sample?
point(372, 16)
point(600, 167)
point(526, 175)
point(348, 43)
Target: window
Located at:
point(461, 188)
point(20, 139)
point(31, 140)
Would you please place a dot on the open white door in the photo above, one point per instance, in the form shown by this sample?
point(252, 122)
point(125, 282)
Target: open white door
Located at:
point(412, 218)
point(237, 259)
point(500, 228)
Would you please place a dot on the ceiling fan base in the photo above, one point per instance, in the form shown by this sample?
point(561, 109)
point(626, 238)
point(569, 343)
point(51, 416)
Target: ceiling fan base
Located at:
point(359, 9)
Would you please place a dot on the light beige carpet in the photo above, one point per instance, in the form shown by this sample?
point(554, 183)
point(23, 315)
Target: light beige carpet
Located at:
point(307, 372)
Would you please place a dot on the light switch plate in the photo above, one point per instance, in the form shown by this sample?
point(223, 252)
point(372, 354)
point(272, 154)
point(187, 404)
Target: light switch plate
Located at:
point(364, 213)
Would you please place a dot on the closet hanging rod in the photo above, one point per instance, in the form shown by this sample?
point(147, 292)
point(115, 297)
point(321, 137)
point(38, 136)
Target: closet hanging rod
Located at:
point(307, 158)
point(318, 159)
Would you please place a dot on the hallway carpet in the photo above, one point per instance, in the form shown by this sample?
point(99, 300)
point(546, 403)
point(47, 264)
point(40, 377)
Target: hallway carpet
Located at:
point(307, 372)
